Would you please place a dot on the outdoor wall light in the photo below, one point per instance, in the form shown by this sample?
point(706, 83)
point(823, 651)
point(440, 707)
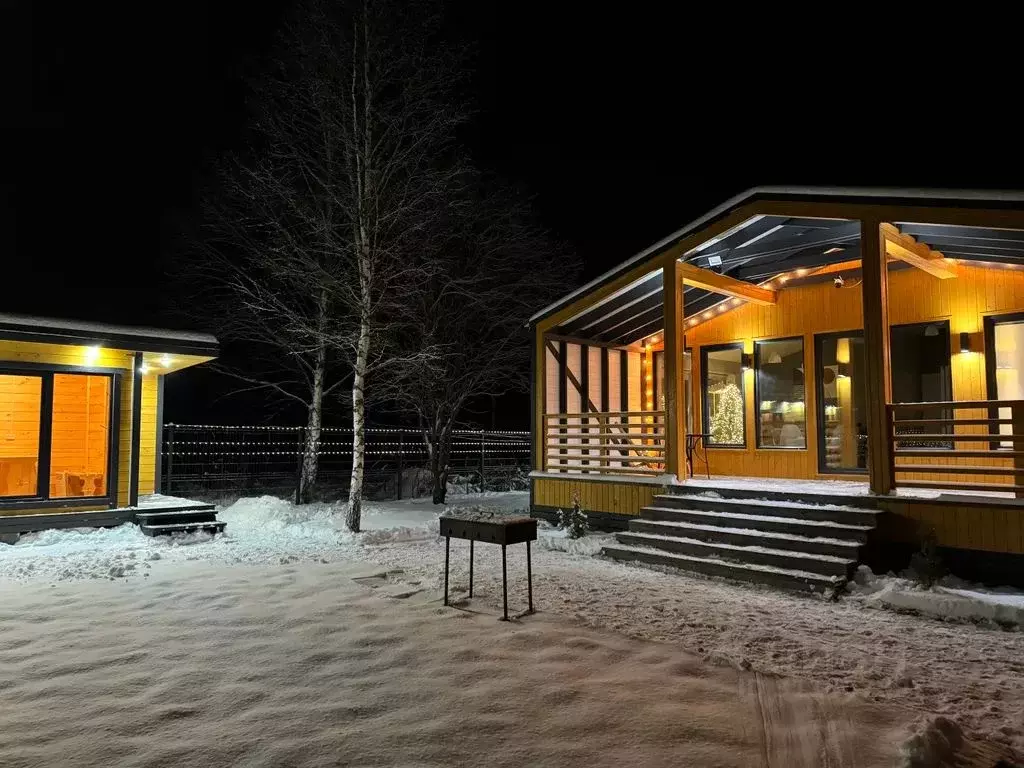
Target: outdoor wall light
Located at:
point(746, 361)
point(971, 342)
point(965, 341)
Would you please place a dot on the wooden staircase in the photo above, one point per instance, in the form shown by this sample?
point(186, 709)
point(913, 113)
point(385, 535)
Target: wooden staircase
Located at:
point(789, 540)
point(192, 518)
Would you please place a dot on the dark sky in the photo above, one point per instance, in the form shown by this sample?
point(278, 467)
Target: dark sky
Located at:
point(623, 126)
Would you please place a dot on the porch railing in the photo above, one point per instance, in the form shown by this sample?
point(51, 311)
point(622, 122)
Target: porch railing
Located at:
point(948, 445)
point(622, 443)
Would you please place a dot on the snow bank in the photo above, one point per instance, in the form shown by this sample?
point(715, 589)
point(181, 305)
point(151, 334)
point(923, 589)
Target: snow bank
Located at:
point(951, 599)
point(557, 540)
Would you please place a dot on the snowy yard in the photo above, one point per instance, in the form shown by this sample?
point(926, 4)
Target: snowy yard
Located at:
point(282, 642)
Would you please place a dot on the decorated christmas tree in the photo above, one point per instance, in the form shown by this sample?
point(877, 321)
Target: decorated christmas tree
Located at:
point(727, 420)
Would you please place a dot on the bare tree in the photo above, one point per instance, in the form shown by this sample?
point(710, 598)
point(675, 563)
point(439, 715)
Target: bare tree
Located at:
point(353, 161)
point(488, 273)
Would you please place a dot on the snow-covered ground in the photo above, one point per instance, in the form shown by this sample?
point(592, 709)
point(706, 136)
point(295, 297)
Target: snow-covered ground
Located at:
point(910, 667)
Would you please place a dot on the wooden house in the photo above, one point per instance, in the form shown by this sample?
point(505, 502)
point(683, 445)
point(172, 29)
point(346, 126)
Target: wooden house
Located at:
point(844, 368)
point(80, 420)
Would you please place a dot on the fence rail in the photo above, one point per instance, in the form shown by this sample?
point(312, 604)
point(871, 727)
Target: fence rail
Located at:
point(616, 442)
point(230, 459)
point(968, 438)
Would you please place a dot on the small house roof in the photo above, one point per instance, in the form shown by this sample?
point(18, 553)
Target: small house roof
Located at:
point(50, 330)
point(779, 227)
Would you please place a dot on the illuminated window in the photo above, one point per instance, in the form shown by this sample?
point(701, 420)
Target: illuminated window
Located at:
point(782, 422)
point(723, 395)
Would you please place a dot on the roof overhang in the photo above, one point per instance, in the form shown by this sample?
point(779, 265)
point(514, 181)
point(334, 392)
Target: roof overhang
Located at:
point(751, 221)
point(46, 330)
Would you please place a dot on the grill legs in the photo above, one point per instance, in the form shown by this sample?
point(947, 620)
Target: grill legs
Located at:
point(504, 574)
point(470, 567)
point(504, 585)
point(447, 551)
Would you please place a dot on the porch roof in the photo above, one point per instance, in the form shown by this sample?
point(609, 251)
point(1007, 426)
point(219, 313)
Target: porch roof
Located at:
point(764, 245)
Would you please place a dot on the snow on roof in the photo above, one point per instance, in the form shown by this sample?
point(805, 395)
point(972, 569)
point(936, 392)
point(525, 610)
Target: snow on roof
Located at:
point(87, 330)
point(974, 196)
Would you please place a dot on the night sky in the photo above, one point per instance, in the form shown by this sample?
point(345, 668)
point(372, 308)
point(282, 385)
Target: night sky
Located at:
point(622, 126)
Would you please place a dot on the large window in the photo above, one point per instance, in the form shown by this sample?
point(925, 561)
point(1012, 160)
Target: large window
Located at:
point(921, 373)
point(722, 390)
point(779, 390)
point(55, 435)
point(842, 403)
point(20, 412)
point(1004, 336)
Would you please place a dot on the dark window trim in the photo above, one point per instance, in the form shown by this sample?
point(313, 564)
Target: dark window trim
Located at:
point(819, 397)
point(158, 458)
point(42, 499)
point(704, 400)
point(757, 393)
point(136, 444)
point(989, 324)
point(949, 368)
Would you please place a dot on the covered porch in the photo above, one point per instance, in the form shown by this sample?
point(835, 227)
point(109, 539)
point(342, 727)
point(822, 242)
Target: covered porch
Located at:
point(864, 342)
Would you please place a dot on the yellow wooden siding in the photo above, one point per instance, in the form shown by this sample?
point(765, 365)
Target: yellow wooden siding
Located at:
point(623, 498)
point(124, 441)
point(914, 297)
point(968, 525)
point(148, 449)
point(51, 510)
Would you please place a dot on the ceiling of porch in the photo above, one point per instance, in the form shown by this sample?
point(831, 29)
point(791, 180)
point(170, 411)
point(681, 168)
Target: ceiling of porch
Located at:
point(764, 247)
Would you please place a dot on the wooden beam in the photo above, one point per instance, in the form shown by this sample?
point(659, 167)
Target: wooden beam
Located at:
point(906, 248)
point(877, 379)
point(728, 286)
point(675, 410)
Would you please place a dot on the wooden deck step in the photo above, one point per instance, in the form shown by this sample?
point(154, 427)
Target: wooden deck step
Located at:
point(165, 529)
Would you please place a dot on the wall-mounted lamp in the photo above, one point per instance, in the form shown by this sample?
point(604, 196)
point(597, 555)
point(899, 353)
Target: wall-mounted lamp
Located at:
point(842, 370)
point(746, 361)
point(971, 342)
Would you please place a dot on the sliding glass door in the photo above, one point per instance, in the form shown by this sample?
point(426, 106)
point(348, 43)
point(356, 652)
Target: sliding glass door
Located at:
point(1005, 368)
point(56, 432)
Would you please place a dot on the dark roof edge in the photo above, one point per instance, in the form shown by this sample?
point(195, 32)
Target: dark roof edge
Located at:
point(993, 199)
point(128, 338)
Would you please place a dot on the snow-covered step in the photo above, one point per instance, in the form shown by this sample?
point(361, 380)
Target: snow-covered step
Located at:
point(713, 501)
point(787, 578)
point(781, 491)
point(199, 514)
point(759, 522)
point(828, 544)
point(749, 555)
point(163, 529)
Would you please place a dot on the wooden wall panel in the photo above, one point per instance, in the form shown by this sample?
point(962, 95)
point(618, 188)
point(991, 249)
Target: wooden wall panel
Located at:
point(635, 380)
point(914, 297)
point(622, 498)
point(148, 449)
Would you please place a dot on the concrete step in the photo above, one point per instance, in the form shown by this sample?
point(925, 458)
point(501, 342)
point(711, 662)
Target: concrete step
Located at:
point(835, 546)
point(837, 513)
point(825, 565)
point(207, 526)
point(208, 514)
point(770, 493)
point(760, 522)
point(796, 580)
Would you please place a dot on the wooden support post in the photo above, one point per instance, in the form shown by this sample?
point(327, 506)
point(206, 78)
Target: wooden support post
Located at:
point(540, 394)
point(675, 415)
point(877, 379)
point(1017, 416)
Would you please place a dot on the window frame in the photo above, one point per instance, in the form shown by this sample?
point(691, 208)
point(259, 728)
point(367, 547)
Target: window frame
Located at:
point(949, 367)
point(42, 499)
point(757, 394)
point(819, 397)
point(989, 323)
point(705, 401)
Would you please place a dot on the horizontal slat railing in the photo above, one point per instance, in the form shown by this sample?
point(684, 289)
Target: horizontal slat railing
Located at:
point(965, 438)
point(610, 443)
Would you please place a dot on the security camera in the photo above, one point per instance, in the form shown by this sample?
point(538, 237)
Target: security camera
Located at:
point(838, 281)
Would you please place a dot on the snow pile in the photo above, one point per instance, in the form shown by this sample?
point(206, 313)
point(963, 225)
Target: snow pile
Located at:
point(951, 599)
point(557, 540)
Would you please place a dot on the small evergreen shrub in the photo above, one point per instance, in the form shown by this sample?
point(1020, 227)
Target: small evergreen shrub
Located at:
point(573, 520)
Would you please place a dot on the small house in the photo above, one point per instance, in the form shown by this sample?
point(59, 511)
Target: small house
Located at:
point(800, 380)
point(81, 410)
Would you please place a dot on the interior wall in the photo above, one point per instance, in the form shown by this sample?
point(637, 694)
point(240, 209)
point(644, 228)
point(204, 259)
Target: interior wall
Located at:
point(914, 297)
point(20, 402)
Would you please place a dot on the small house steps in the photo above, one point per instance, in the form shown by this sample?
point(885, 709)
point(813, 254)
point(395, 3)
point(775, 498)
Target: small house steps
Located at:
point(772, 537)
point(192, 519)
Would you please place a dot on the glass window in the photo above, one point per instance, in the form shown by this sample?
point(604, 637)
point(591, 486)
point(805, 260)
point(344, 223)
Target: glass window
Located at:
point(782, 422)
point(722, 388)
point(80, 435)
point(1008, 338)
point(842, 403)
point(921, 373)
point(20, 408)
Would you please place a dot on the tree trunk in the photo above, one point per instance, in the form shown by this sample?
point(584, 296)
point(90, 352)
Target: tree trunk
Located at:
point(353, 515)
point(311, 452)
point(439, 449)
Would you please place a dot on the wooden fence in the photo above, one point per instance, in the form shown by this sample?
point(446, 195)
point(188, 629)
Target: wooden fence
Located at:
point(616, 443)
